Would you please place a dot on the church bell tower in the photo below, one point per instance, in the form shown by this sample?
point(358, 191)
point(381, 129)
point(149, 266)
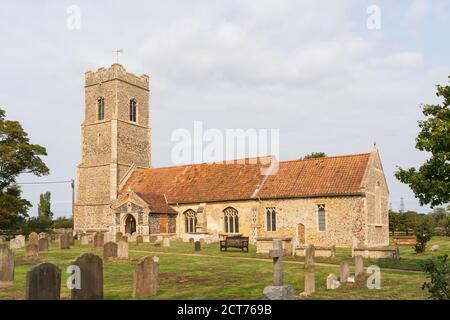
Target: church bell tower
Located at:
point(115, 138)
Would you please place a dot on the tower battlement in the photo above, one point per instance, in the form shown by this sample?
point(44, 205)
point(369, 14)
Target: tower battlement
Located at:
point(115, 71)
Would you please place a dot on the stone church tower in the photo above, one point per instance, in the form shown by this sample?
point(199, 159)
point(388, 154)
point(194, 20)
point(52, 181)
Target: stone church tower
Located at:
point(115, 138)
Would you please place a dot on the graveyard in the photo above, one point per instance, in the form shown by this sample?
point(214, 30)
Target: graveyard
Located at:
point(208, 273)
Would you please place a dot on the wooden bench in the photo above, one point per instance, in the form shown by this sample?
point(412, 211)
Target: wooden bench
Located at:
point(234, 242)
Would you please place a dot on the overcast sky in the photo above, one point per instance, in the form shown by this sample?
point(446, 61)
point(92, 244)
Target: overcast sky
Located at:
point(311, 69)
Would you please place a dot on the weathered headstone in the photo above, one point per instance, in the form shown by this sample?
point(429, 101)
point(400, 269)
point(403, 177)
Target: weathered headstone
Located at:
point(84, 240)
point(6, 266)
point(139, 239)
point(119, 236)
point(359, 265)
point(309, 256)
point(344, 272)
point(64, 241)
point(191, 240)
point(332, 282)
point(122, 250)
point(152, 239)
point(124, 239)
point(333, 251)
point(157, 243)
point(434, 248)
point(179, 240)
point(33, 238)
point(202, 240)
point(110, 250)
point(99, 240)
point(43, 282)
point(91, 282)
point(198, 246)
point(15, 244)
point(278, 291)
point(71, 238)
point(310, 284)
point(166, 242)
point(31, 250)
point(21, 238)
point(43, 244)
point(145, 277)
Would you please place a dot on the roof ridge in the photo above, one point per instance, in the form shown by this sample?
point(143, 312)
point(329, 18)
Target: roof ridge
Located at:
point(330, 157)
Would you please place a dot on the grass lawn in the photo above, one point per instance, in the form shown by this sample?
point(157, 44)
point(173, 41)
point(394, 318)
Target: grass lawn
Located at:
point(210, 274)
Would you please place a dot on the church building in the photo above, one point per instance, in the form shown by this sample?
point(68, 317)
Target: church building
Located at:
point(339, 200)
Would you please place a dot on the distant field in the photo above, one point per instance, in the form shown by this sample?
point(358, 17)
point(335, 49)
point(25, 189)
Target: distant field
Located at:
point(211, 274)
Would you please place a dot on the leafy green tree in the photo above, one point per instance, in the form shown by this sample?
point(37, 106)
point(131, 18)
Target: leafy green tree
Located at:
point(313, 155)
point(430, 183)
point(438, 271)
point(44, 206)
point(423, 234)
point(17, 156)
point(63, 222)
point(395, 223)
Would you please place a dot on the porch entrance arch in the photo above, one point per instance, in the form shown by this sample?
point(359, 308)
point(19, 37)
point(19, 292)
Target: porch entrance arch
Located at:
point(130, 224)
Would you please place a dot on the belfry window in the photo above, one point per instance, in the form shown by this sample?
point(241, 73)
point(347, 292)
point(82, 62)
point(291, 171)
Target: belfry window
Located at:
point(133, 110)
point(231, 220)
point(271, 219)
point(190, 220)
point(321, 217)
point(101, 108)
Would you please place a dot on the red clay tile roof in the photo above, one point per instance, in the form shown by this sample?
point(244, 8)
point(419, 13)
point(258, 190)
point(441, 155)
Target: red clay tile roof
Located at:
point(157, 202)
point(341, 175)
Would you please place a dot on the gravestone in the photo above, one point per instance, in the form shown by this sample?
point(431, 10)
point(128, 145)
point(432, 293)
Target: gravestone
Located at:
point(122, 250)
point(309, 256)
point(124, 239)
point(84, 240)
point(33, 238)
point(64, 241)
point(434, 248)
point(310, 284)
point(58, 237)
point(15, 244)
point(191, 240)
point(71, 238)
point(344, 272)
point(359, 265)
point(202, 240)
point(110, 250)
point(145, 277)
point(21, 239)
point(99, 240)
point(179, 240)
point(2, 239)
point(31, 250)
point(152, 239)
point(198, 246)
point(91, 273)
point(157, 243)
point(119, 236)
point(278, 291)
point(43, 282)
point(333, 251)
point(332, 282)
point(166, 242)
point(139, 239)
point(43, 244)
point(6, 266)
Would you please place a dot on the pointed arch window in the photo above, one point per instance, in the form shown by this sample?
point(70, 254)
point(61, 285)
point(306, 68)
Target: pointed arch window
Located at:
point(321, 217)
point(101, 108)
point(190, 221)
point(133, 110)
point(271, 219)
point(231, 220)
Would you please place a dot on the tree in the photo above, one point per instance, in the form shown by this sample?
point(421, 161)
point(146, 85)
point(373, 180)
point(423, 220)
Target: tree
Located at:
point(431, 182)
point(395, 223)
point(438, 270)
point(313, 155)
point(423, 234)
point(17, 156)
point(63, 223)
point(44, 209)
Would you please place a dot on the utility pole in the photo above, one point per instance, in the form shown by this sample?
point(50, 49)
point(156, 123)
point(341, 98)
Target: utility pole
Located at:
point(72, 184)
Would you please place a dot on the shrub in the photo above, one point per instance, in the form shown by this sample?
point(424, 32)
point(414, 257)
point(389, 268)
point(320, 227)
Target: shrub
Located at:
point(423, 234)
point(438, 271)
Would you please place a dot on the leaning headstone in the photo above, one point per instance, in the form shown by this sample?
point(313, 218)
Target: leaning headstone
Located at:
point(84, 240)
point(31, 250)
point(15, 244)
point(344, 274)
point(21, 239)
point(122, 250)
point(309, 256)
point(6, 266)
point(64, 241)
point(43, 282)
point(198, 246)
point(359, 265)
point(43, 244)
point(91, 282)
point(434, 248)
point(332, 282)
point(139, 239)
point(310, 284)
point(110, 250)
point(145, 277)
point(99, 240)
point(278, 291)
point(119, 236)
point(33, 238)
point(166, 242)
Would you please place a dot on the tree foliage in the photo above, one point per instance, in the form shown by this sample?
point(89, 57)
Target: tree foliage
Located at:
point(431, 182)
point(313, 155)
point(423, 234)
point(438, 271)
point(44, 206)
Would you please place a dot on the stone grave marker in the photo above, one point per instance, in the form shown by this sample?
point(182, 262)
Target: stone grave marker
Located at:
point(198, 246)
point(309, 256)
point(359, 265)
point(110, 250)
point(64, 241)
point(122, 250)
point(124, 239)
point(332, 282)
point(344, 272)
point(43, 282)
point(333, 251)
point(21, 239)
point(15, 244)
point(43, 244)
point(6, 266)
point(33, 238)
point(99, 240)
point(145, 279)
point(91, 272)
point(119, 236)
point(166, 242)
point(310, 284)
point(139, 239)
point(434, 248)
point(31, 250)
point(179, 240)
point(84, 240)
point(71, 238)
point(152, 239)
point(278, 291)
point(191, 240)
